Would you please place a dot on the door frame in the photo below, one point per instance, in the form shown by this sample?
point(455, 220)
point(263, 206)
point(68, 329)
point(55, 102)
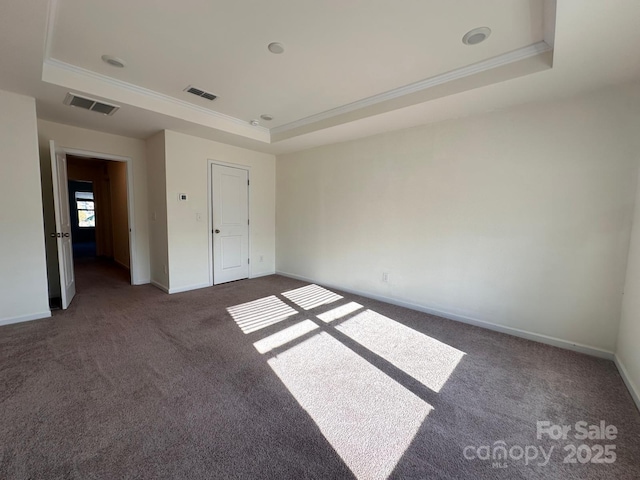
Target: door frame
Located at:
point(89, 155)
point(210, 164)
point(62, 214)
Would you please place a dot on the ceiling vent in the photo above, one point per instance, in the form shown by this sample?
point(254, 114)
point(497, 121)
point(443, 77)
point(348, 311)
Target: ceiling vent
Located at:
point(200, 93)
point(92, 104)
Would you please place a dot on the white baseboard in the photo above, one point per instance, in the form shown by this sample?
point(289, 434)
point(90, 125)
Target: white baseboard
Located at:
point(516, 332)
point(258, 275)
point(188, 288)
point(631, 386)
point(197, 286)
point(162, 287)
point(25, 318)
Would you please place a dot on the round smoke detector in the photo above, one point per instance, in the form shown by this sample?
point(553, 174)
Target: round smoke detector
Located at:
point(113, 61)
point(266, 117)
point(476, 36)
point(275, 47)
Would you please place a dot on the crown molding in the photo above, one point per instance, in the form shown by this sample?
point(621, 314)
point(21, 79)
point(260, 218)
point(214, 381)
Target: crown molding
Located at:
point(51, 22)
point(259, 133)
point(485, 65)
point(151, 94)
point(54, 69)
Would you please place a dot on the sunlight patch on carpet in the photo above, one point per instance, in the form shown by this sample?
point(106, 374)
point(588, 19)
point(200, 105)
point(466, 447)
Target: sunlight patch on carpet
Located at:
point(253, 316)
point(339, 312)
point(426, 359)
point(285, 336)
point(368, 418)
point(311, 296)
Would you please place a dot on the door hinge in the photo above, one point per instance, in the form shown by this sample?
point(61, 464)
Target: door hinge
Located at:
point(247, 182)
point(247, 221)
point(248, 260)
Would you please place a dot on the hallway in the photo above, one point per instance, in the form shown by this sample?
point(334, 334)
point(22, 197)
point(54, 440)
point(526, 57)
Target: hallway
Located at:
point(93, 273)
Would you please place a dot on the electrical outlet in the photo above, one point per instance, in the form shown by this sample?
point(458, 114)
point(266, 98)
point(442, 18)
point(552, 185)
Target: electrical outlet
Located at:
point(385, 277)
point(166, 270)
point(261, 258)
point(154, 216)
point(198, 217)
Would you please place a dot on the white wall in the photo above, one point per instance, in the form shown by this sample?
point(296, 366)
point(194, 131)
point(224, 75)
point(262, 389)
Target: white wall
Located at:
point(518, 218)
point(98, 142)
point(628, 350)
point(157, 178)
point(188, 240)
point(23, 278)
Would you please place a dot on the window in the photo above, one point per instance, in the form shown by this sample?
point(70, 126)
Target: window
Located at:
point(86, 209)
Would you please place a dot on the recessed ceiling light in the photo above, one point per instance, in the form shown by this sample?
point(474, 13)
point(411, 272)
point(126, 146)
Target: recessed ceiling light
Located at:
point(476, 36)
point(113, 61)
point(266, 117)
point(254, 123)
point(276, 47)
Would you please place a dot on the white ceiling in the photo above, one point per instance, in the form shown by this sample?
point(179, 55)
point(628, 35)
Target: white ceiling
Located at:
point(336, 53)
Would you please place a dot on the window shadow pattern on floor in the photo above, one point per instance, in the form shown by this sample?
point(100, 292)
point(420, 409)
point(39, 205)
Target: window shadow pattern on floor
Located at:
point(368, 381)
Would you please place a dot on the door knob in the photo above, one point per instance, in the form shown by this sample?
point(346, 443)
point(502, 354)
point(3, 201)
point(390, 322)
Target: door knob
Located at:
point(217, 231)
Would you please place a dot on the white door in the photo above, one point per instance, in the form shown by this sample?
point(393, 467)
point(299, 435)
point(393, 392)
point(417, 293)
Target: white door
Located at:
point(63, 224)
point(230, 223)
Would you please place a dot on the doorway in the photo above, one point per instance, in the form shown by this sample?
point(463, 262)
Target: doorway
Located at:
point(98, 209)
point(92, 196)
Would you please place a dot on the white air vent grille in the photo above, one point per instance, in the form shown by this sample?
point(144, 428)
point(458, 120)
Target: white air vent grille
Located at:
point(200, 93)
point(92, 104)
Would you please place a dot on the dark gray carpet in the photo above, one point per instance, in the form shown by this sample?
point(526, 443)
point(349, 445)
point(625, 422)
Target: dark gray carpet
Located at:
point(299, 382)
